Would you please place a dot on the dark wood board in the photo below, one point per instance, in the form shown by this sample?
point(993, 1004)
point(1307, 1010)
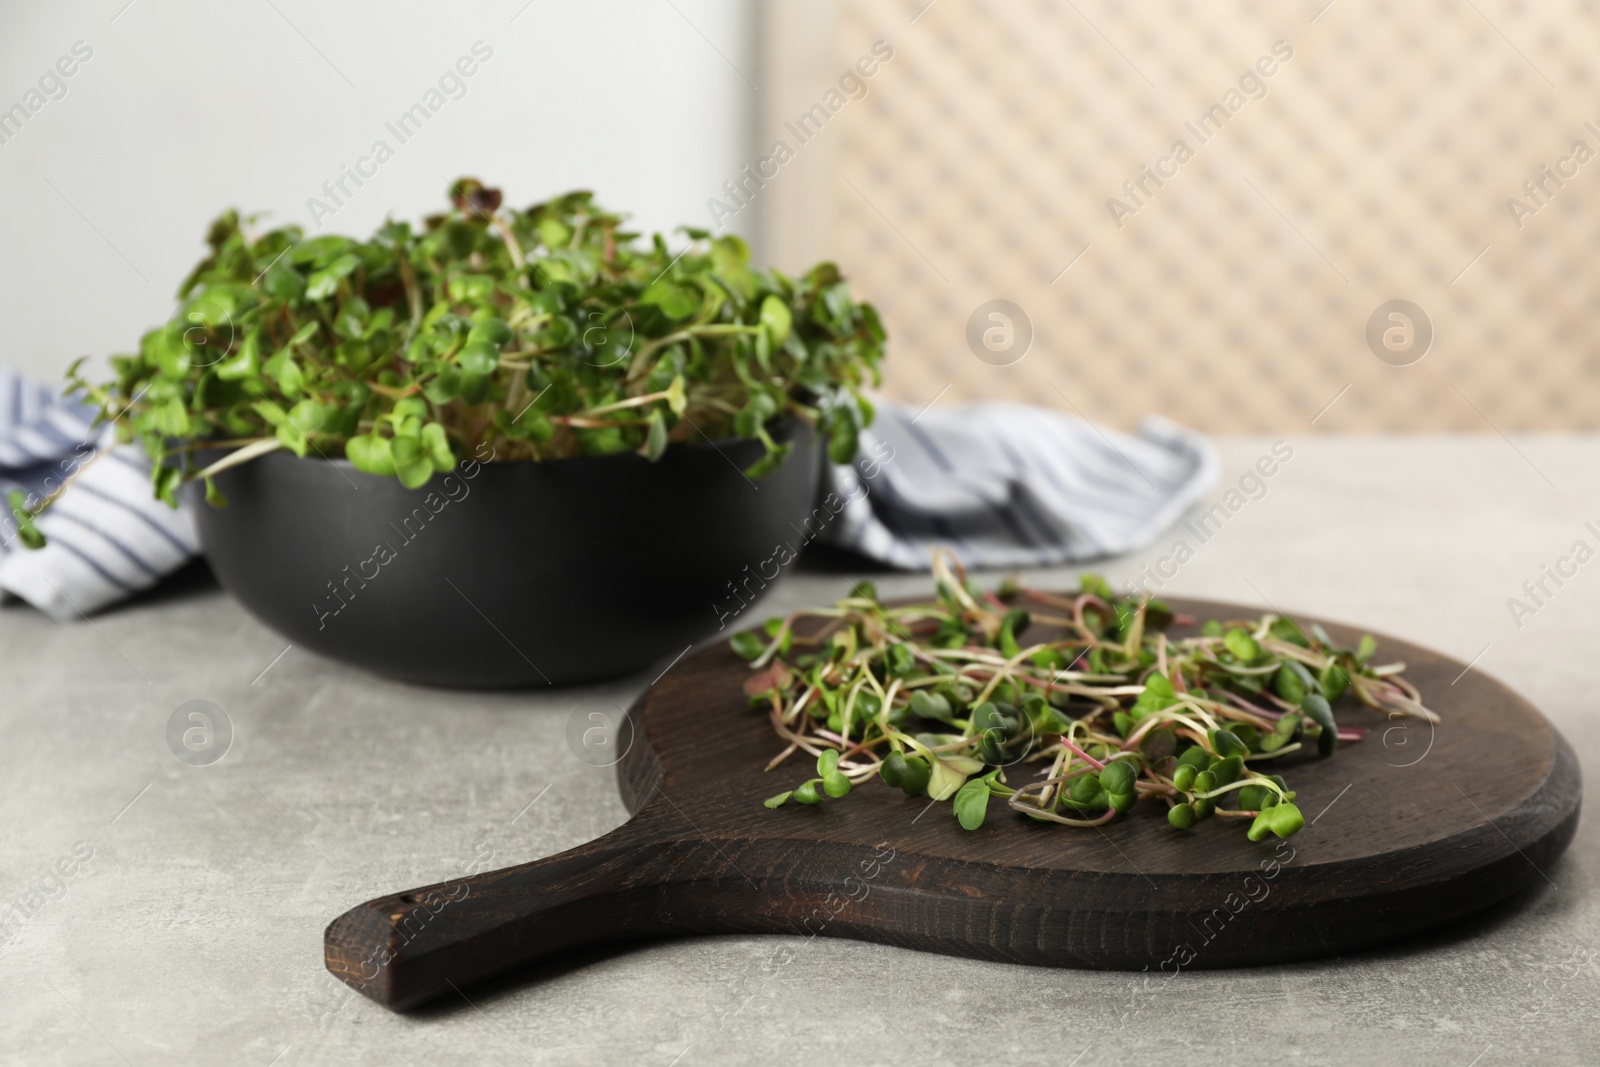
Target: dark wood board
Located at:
point(1413, 827)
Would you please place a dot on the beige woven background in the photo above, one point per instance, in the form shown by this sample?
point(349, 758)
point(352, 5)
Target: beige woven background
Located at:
point(1377, 165)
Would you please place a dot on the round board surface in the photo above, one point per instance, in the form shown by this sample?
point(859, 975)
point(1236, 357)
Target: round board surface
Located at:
point(1410, 828)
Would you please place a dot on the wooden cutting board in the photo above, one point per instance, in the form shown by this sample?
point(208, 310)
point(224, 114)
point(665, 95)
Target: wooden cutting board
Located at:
point(1411, 828)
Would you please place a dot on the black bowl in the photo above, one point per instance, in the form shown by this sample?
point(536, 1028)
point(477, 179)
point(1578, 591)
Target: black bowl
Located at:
point(514, 574)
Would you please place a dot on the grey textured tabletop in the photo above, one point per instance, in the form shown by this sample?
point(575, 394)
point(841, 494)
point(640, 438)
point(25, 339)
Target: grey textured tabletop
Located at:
point(188, 927)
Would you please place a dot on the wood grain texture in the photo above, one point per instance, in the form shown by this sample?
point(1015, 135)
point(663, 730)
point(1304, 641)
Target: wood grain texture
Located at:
point(1409, 829)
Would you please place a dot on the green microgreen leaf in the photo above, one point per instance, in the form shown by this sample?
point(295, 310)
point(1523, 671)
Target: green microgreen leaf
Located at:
point(972, 803)
point(748, 645)
point(1241, 644)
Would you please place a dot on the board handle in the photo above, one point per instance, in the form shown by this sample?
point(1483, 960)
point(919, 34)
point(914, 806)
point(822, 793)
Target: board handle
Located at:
point(405, 949)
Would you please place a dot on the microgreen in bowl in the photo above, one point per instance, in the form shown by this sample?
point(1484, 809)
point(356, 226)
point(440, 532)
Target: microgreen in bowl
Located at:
point(532, 334)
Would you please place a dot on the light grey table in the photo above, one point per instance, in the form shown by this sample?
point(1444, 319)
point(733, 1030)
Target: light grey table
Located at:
point(193, 932)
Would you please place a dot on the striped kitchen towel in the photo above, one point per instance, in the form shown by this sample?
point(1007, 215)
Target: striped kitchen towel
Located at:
point(107, 537)
point(1008, 485)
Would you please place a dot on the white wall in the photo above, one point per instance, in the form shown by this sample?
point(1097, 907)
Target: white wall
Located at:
point(186, 108)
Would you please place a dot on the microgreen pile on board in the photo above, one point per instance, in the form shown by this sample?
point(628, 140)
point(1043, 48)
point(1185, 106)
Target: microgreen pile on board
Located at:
point(946, 699)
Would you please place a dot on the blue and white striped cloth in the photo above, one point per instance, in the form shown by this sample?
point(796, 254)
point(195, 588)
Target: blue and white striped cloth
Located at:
point(107, 536)
point(1008, 485)
point(1004, 485)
